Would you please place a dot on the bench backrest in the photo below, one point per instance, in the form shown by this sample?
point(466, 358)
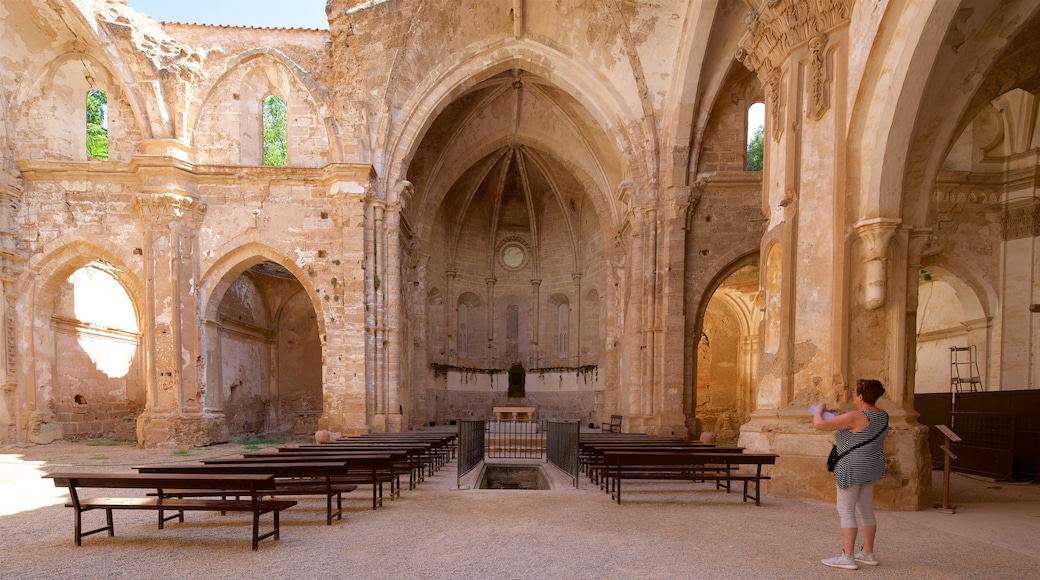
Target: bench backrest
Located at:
point(226, 482)
point(630, 458)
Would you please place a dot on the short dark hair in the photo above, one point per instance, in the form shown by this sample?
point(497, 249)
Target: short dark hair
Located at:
point(870, 389)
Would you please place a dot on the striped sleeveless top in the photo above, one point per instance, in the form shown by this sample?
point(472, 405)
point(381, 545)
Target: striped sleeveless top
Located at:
point(866, 463)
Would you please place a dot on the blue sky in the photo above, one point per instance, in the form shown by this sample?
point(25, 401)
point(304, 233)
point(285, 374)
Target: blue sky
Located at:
point(262, 13)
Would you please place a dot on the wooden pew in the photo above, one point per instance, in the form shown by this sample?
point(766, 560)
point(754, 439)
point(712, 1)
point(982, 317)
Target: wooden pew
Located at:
point(291, 478)
point(252, 485)
point(723, 468)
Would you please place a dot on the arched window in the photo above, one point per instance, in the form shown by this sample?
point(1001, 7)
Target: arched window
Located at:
point(275, 140)
point(756, 124)
point(463, 322)
point(97, 125)
point(562, 321)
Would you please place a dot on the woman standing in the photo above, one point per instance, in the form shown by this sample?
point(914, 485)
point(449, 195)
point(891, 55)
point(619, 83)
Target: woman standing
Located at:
point(860, 436)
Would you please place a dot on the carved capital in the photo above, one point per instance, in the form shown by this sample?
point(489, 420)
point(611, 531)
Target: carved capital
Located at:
point(164, 209)
point(876, 234)
point(780, 26)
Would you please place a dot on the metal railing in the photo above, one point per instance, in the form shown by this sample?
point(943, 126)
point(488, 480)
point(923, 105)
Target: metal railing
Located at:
point(514, 440)
point(561, 447)
point(470, 448)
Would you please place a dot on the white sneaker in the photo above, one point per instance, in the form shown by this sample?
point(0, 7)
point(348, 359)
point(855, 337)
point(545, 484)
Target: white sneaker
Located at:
point(866, 558)
point(842, 560)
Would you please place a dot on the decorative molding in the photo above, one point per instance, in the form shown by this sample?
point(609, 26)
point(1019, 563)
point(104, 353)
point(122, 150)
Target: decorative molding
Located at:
point(775, 30)
point(163, 209)
point(818, 98)
point(1021, 219)
point(780, 26)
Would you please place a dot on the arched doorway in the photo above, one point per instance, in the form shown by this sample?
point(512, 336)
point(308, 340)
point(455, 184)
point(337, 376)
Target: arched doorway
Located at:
point(269, 369)
point(727, 354)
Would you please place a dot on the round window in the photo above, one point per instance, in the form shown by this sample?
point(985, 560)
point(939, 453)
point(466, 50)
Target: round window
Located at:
point(513, 255)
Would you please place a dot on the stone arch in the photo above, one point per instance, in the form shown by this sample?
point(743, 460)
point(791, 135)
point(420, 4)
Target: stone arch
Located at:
point(38, 370)
point(262, 343)
point(469, 333)
point(456, 77)
point(721, 388)
point(558, 333)
point(950, 313)
point(246, 81)
point(43, 101)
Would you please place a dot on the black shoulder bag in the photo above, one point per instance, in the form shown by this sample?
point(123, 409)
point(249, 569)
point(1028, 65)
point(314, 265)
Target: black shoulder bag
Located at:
point(835, 457)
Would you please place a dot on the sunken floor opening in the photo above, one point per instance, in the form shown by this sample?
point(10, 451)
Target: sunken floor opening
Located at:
point(507, 476)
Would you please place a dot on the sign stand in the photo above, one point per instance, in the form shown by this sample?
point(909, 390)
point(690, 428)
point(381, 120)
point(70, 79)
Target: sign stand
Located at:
point(946, 508)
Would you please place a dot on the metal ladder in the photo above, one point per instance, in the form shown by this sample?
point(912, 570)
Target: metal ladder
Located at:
point(964, 370)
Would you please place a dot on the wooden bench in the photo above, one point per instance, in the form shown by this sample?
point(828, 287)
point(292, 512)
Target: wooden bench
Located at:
point(251, 485)
point(694, 466)
point(596, 463)
point(291, 478)
point(612, 426)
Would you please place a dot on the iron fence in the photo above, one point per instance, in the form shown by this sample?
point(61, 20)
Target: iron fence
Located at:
point(470, 447)
point(561, 446)
point(514, 439)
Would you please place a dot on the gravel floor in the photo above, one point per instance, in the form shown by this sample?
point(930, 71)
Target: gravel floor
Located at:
point(439, 531)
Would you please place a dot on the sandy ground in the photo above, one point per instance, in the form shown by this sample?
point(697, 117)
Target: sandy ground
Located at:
point(663, 530)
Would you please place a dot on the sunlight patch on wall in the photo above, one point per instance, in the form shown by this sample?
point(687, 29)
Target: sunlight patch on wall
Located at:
point(100, 302)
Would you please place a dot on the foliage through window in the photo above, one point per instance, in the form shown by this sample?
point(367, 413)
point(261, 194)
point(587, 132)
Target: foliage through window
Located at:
point(97, 125)
point(756, 137)
point(275, 146)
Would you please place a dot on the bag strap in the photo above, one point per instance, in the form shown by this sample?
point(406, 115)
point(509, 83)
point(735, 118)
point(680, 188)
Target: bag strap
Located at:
point(861, 444)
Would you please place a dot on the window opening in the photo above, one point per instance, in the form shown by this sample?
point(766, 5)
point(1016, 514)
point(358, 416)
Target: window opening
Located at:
point(756, 124)
point(562, 321)
point(97, 125)
point(275, 146)
point(463, 330)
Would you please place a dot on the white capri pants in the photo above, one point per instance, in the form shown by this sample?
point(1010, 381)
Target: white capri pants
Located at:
point(857, 499)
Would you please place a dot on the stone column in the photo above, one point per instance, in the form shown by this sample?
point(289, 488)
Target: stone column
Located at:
point(451, 304)
point(12, 263)
point(574, 348)
point(346, 323)
point(174, 400)
point(833, 310)
point(490, 355)
point(376, 343)
point(535, 357)
point(393, 290)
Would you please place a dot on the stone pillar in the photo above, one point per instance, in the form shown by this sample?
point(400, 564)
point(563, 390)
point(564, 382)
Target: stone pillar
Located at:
point(535, 357)
point(450, 307)
point(393, 291)
point(376, 360)
point(174, 401)
point(12, 263)
point(347, 377)
point(490, 355)
point(574, 348)
point(833, 310)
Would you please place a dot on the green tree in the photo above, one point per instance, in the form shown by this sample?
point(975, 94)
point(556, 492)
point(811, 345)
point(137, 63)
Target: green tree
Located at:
point(97, 125)
point(275, 132)
point(755, 150)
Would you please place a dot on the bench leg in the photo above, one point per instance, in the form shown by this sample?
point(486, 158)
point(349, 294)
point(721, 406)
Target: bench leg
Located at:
point(79, 525)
